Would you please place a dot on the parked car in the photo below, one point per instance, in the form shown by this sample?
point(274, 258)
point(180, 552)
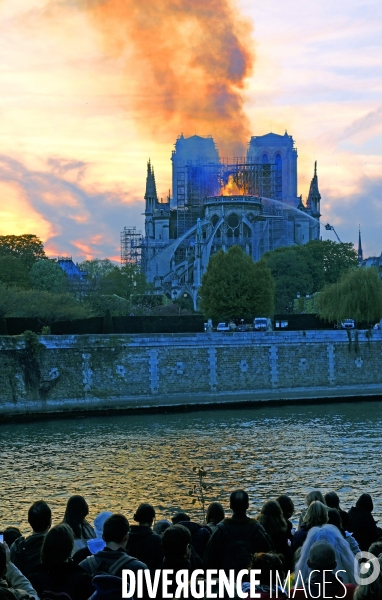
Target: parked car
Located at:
point(347, 324)
point(243, 327)
point(223, 327)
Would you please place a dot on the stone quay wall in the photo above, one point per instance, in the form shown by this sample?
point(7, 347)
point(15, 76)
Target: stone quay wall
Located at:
point(87, 373)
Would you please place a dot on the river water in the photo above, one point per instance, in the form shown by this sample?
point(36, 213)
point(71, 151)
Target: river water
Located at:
point(117, 462)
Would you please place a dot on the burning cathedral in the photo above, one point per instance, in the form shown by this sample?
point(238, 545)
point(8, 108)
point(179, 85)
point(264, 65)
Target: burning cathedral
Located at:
point(250, 201)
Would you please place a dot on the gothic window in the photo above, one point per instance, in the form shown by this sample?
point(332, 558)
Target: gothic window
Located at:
point(233, 225)
point(265, 159)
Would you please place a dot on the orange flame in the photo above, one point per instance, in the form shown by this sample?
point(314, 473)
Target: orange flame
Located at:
point(187, 63)
point(231, 188)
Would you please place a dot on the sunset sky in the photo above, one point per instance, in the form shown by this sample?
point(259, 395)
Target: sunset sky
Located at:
point(91, 89)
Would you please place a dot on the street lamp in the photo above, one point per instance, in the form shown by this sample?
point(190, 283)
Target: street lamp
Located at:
point(298, 295)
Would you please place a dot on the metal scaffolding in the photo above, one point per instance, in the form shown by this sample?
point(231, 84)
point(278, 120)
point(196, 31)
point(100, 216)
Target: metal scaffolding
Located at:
point(131, 246)
point(200, 179)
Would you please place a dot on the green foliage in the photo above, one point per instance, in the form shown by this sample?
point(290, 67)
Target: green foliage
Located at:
point(101, 303)
point(358, 295)
point(13, 272)
point(47, 275)
point(8, 300)
point(29, 360)
point(307, 268)
point(235, 286)
point(28, 248)
point(32, 343)
point(96, 268)
point(198, 489)
point(124, 281)
point(47, 307)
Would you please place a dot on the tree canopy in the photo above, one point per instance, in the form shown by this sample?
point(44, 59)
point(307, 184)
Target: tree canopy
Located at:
point(47, 275)
point(28, 248)
point(97, 267)
point(124, 281)
point(13, 272)
point(307, 268)
point(357, 295)
point(235, 286)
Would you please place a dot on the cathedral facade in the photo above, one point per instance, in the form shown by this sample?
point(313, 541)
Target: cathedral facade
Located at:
point(251, 202)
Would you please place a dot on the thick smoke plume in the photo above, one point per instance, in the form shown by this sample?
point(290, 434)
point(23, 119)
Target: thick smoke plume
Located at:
point(187, 62)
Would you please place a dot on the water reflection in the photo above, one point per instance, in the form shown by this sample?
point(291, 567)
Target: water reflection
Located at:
point(117, 462)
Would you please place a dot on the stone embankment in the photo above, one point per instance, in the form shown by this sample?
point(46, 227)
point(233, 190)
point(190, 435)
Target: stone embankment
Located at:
point(91, 373)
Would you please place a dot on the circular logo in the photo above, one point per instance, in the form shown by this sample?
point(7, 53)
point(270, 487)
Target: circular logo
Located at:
point(367, 571)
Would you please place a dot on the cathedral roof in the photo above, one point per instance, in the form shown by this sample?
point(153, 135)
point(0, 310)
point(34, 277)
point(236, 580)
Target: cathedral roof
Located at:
point(314, 195)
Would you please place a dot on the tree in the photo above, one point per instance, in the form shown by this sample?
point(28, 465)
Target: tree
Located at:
point(358, 295)
point(235, 286)
point(28, 248)
point(307, 268)
point(124, 281)
point(48, 307)
point(8, 300)
point(13, 272)
point(96, 268)
point(47, 275)
point(291, 274)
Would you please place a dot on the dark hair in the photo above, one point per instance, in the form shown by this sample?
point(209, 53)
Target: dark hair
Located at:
point(39, 516)
point(314, 496)
point(215, 513)
point(332, 500)
point(239, 501)
point(58, 545)
point(376, 548)
point(3, 559)
point(268, 562)
point(365, 502)
point(175, 541)
point(272, 518)
point(145, 513)
point(286, 504)
point(11, 534)
point(115, 528)
point(76, 511)
point(179, 517)
point(334, 518)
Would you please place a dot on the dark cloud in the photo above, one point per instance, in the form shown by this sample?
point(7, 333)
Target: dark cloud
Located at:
point(81, 216)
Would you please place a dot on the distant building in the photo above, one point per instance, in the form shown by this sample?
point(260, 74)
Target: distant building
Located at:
point(250, 201)
point(72, 270)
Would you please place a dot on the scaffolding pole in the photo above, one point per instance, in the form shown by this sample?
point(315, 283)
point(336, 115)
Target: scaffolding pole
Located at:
point(131, 246)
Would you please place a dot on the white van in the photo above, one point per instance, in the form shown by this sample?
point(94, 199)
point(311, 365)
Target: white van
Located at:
point(262, 324)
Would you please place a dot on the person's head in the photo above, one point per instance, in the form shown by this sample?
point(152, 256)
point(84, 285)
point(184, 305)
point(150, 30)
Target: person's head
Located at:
point(239, 502)
point(313, 496)
point(116, 530)
point(11, 534)
point(370, 591)
point(40, 517)
point(334, 518)
point(161, 526)
point(99, 522)
point(272, 518)
point(286, 504)
point(365, 502)
point(376, 548)
point(215, 513)
point(332, 500)
point(269, 563)
point(176, 542)
point(316, 515)
point(180, 517)
point(76, 511)
point(322, 557)
point(145, 514)
point(3, 560)
point(58, 545)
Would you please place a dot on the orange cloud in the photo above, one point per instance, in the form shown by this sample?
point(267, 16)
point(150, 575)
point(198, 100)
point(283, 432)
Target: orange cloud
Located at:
point(187, 64)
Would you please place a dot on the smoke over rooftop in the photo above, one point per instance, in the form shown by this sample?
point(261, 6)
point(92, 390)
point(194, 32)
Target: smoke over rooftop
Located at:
point(186, 63)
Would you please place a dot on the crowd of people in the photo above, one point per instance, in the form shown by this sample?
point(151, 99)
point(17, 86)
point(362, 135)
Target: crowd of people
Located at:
point(74, 560)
